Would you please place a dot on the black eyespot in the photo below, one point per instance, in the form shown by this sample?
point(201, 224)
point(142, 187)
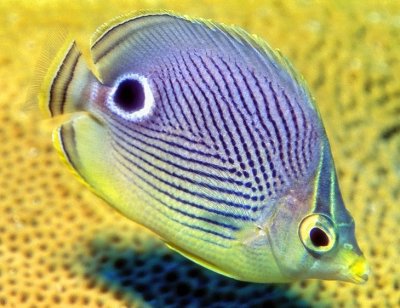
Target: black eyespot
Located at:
point(319, 237)
point(129, 95)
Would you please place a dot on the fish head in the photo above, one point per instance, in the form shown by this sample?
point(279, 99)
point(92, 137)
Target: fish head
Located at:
point(331, 249)
point(314, 234)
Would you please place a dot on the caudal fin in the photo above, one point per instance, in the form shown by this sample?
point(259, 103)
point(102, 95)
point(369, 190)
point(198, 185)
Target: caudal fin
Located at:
point(66, 86)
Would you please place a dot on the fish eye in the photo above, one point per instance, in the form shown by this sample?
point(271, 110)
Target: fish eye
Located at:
point(319, 237)
point(131, 97)
point(317, 233)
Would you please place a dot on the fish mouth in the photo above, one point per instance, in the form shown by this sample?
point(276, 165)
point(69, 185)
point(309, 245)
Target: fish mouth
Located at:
point(358, 272)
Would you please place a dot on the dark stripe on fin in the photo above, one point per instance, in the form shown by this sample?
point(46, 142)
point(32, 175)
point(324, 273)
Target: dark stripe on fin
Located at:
point(68, 84)
point(64, 141)
point(61, 81)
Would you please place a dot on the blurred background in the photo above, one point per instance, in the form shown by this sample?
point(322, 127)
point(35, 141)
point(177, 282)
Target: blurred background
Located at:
point(62, 246)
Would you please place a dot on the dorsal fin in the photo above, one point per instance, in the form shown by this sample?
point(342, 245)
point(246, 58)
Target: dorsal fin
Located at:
point(139, 42)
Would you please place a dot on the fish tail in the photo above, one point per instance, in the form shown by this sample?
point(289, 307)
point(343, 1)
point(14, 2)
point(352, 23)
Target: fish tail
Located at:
point(66, 86)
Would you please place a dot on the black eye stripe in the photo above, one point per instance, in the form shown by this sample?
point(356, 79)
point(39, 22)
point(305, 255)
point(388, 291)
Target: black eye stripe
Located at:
point(129, 95)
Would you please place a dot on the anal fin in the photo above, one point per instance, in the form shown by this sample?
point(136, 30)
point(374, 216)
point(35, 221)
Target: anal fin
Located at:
point(199, 260)
point(81, 144)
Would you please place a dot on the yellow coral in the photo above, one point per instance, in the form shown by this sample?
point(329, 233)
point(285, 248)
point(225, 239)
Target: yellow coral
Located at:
point(60, 245)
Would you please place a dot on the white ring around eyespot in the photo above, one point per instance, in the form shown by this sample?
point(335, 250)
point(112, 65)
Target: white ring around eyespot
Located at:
point(148, 104)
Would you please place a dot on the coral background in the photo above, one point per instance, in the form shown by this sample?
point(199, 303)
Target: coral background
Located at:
point(62, 246)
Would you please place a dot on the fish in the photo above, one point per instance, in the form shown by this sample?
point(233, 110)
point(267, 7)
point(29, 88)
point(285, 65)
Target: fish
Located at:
point(207, 136)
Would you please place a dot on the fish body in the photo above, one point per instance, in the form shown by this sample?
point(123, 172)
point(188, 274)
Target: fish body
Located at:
point(205, 135)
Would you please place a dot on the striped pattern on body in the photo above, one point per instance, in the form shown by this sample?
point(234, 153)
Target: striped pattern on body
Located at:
point(223, 143)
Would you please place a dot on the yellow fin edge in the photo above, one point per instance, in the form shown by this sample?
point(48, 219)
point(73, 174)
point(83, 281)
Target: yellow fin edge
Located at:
point(105, 27)
point(199, 260)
